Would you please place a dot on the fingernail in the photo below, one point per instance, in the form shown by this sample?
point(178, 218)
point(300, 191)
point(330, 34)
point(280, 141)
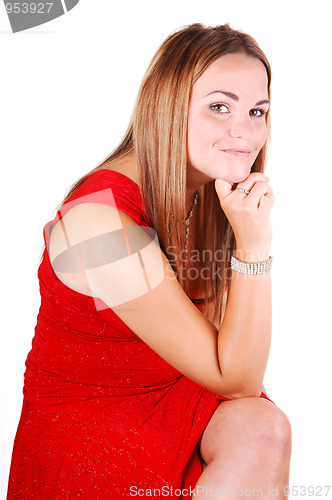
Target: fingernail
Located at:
point(225, 182)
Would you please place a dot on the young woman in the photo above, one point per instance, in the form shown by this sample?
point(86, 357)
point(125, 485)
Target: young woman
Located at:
point(146, 372)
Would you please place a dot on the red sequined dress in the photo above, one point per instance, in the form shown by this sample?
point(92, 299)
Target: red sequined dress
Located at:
point(103, 415)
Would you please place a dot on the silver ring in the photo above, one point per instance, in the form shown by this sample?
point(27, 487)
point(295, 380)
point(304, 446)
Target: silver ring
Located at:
point(243, 190)
point(261, 199)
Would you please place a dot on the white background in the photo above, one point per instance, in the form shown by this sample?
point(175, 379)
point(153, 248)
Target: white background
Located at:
point(67, 89)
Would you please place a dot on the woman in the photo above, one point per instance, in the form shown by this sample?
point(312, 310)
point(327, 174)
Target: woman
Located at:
point(146, 372)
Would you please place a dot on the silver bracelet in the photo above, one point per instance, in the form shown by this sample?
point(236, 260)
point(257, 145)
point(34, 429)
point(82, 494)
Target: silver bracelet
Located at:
point(251, 267)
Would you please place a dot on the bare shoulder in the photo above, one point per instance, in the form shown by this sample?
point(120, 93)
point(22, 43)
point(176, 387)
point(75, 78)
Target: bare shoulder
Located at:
point(85, 222)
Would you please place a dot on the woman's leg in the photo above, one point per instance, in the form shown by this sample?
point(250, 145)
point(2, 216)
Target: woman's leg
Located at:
point(246, 446)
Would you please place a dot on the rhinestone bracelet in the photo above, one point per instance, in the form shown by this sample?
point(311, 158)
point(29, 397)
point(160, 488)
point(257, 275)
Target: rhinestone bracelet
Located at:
point(251, 267)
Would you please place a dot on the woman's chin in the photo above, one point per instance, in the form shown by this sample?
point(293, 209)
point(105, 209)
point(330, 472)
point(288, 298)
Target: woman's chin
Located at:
point(238, 178)
point(236, 175)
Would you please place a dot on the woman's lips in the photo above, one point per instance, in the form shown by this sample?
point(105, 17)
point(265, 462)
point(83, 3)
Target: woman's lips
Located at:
point(240, 153)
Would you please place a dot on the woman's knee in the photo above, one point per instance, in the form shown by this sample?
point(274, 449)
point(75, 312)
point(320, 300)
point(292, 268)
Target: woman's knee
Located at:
point(275, 431)
point(279, 428)
point(251, 422)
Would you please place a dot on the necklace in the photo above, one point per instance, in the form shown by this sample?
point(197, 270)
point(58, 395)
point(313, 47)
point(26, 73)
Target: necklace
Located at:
point(187, 221)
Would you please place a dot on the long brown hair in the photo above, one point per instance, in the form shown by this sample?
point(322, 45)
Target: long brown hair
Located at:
point(157, 135)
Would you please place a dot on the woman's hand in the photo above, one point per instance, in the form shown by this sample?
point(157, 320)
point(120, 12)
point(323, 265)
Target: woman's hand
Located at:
point(249, 215)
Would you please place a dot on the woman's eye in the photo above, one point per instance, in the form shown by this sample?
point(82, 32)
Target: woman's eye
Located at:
point(219, 108)
point(257, 112)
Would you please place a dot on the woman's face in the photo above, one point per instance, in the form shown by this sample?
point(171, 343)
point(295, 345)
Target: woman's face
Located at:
point(227, 119)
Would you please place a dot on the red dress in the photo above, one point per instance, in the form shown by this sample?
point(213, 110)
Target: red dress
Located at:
point(103, 415)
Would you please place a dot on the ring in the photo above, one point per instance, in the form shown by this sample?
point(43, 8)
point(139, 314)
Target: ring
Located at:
point(261, 199)
point(243, 190)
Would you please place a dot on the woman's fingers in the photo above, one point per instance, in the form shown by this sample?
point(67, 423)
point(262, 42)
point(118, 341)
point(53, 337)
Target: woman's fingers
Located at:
point(252, 190)
point(266, 201)
point(223, 189)
point(257, 194)
point(247, 207)
point(251, 180)
point(259, 190)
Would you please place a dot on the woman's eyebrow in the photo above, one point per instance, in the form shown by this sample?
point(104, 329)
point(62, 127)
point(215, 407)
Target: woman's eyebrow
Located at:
point(227, 94)
point(264, 101)
point(235, 97)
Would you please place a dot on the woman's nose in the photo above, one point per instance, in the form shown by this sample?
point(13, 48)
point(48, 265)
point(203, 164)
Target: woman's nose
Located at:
point(241, 127)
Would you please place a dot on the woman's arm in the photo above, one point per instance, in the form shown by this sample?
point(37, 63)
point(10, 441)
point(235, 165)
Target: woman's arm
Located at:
point(245, 334)
point(230, 362)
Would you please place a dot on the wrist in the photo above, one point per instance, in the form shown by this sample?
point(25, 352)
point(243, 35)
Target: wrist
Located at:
point(255, 268)
point(252, 255)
